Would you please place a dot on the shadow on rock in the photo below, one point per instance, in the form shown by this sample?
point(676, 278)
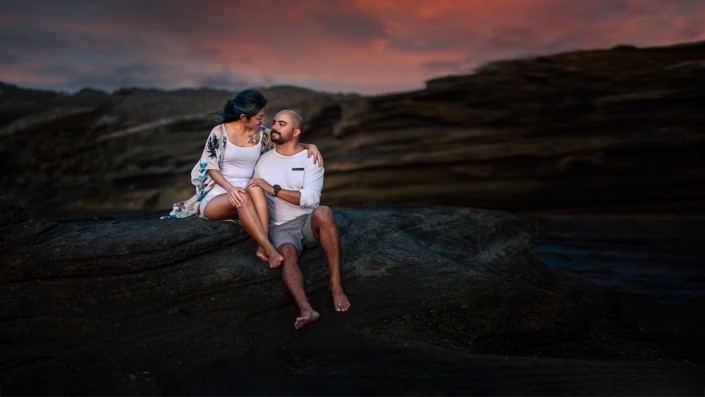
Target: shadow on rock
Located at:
point(174, 306)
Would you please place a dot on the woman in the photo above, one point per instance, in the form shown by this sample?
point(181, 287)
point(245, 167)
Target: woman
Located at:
point(225, 167)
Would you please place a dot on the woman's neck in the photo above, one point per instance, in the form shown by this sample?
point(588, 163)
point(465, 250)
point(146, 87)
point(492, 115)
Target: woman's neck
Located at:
point(239, 127)
point(240, 135)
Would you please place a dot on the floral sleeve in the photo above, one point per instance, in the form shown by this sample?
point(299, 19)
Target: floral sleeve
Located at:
point(211, 158)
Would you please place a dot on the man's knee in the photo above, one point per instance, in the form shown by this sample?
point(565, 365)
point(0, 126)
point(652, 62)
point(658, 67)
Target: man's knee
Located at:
point(323, 215)
point(288, 250)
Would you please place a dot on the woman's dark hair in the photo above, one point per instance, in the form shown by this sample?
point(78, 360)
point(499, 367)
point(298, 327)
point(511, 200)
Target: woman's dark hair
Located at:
point(248, 102)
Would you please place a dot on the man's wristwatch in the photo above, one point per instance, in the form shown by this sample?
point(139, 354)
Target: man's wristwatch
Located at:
point(277, 188)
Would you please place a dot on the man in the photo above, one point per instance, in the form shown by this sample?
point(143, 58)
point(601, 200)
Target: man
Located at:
point(294, 183)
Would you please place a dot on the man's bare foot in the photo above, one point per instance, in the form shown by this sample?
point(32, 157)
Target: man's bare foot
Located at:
point(307, 316)
point(340, 300)
point(261, 255)
point(275, 258)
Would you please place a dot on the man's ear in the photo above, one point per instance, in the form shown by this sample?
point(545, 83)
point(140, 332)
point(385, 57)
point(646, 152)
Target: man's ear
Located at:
point(297, 132)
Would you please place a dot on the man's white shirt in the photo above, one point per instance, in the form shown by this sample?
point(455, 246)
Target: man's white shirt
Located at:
point(297, 172)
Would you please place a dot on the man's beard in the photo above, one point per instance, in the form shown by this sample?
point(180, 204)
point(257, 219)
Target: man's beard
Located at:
point(279, 140)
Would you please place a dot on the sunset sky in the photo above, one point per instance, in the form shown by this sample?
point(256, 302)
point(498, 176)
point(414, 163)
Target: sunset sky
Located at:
point(364, 46)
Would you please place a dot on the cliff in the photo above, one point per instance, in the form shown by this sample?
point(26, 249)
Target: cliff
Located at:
point(593, 131)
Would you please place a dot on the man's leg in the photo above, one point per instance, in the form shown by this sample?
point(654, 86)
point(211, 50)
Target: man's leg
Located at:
point(325, 230)
point(294, 281)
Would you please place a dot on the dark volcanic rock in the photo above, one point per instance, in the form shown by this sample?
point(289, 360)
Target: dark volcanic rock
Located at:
point(95, 153)
point(593, 131)
point(149, 306)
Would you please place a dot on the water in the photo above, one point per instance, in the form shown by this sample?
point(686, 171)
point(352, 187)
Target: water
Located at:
point(661, 258)
point(669, 278)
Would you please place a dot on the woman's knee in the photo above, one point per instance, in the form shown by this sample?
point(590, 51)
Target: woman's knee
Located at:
point(255, 190)
point(246, 198)
point(257, 194)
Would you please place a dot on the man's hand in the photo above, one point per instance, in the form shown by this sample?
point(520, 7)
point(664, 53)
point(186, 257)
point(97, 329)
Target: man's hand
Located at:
point(234, 196)
point(261, 183)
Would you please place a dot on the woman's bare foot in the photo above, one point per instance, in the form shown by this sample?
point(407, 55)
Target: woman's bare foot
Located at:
point(340, 300)
point(275, 258)
point(261, 255)
point(306, 317)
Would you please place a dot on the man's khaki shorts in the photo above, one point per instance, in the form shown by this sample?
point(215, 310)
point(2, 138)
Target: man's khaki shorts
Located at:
point(297, 231)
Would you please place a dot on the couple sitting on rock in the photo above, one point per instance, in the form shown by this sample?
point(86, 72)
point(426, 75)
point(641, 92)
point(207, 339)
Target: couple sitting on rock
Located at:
point(239, 176)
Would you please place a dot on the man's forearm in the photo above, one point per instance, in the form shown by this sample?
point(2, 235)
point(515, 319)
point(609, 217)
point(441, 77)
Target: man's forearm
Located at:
point(290, 196)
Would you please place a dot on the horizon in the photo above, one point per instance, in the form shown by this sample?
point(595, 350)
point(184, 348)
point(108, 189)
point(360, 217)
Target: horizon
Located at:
point(365, 47)
point(236, 89)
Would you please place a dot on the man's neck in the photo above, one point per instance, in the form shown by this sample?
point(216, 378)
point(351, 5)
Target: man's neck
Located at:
point(289, 149)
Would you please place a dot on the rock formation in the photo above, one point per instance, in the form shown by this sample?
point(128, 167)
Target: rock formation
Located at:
point(182, 306)
point(616, 130)
point(447, 299)
point(607, 130)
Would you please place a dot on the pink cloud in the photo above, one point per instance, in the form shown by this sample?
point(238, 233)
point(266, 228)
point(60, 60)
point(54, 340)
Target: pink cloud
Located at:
point(368, 46)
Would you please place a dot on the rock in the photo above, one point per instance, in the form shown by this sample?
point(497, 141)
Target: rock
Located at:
point(610, 131)
point(119, 305)
point(606, 131)
point(11, 213)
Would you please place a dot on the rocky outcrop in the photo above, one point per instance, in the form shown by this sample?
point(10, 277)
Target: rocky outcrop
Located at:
point(592, 131)
point(94, 152)
point(140, 305)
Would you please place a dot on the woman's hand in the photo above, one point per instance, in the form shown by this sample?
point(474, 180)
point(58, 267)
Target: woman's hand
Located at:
point(235, 196)
point(313, 152)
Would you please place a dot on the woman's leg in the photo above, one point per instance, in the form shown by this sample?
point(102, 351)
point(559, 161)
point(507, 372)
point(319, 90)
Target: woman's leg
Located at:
point(260, 202)
point(217, 208)
point(220, 209)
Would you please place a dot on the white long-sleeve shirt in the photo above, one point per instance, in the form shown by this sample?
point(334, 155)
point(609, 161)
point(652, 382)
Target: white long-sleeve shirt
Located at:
point(297, 172)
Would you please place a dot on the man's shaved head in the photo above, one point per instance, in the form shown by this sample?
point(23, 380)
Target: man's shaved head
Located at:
point(296, 119)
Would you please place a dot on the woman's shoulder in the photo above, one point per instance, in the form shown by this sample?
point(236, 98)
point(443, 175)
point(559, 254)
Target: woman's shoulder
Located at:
point(218, 129)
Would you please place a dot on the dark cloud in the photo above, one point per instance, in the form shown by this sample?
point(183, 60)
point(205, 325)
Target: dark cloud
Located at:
point(440, 68)
point(349, 25)
point(227, 80)
point(112, 77)
point(513, 37)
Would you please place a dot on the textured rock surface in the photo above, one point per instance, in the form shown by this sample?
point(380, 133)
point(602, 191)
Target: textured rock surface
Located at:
point(615, 130)
point(608, 131)
point(445, 301)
